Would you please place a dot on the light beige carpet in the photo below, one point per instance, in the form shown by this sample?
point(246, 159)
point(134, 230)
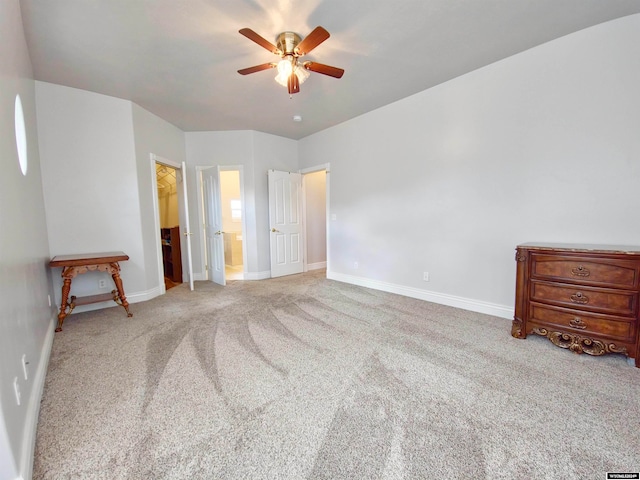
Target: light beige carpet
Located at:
point(305, 378)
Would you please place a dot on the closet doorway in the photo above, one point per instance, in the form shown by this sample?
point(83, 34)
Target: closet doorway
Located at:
point(315, 186)
point(169, 216)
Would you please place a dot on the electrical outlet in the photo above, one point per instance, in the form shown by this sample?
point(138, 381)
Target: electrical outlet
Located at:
point(16, 389)
point(355, 265)
point(102, 283)
point(25, 369)
point(425, 276)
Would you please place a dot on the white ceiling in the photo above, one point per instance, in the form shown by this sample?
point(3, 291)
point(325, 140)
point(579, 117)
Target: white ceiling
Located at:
point(179, 58)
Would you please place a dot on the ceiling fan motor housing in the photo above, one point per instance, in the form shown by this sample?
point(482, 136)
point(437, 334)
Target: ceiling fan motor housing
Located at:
point(287, 42)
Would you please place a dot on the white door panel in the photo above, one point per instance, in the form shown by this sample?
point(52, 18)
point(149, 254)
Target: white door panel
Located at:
point(187, 229)
point(213, 226)
point(286, 225)
point(207, 189)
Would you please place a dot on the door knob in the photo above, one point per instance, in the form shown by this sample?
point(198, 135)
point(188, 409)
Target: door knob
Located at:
point(274, 230)
point(219, 232)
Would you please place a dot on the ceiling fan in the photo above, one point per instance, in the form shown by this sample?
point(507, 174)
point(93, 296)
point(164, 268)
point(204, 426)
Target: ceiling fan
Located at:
point(290, 47)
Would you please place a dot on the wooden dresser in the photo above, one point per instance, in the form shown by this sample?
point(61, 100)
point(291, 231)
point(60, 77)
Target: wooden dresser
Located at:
point(581, 297)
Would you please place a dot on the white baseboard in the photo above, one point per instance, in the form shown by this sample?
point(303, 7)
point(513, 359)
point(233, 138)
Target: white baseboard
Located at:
point(435, 297)
point(316, 266)
point(257, 275)
point(197, 277)
point(145, 295)
point(33, 404)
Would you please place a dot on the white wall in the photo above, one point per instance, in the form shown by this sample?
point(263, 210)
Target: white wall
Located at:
point(270, 153)
point(224, 149)
point(256, 152)
point(90, 182)
point(97, 181)
point(542, 146)
point(26, 320)
point(153, 135)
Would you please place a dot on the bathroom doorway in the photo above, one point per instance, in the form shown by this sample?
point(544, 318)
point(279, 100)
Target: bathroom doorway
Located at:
point(232, 211)
point(222, 210)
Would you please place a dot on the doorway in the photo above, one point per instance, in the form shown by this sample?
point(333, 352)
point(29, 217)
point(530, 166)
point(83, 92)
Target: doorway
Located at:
point(232, 209)
point(168, 213)
point(223, 220)
point(298, 220)
point(181, 235)
point(315, 207)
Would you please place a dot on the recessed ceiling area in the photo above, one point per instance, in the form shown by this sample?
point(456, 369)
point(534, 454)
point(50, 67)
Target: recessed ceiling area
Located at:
point(179, 59)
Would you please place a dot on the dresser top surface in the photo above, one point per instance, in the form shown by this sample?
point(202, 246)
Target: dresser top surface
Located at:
point(82, 259)
point(581, 247)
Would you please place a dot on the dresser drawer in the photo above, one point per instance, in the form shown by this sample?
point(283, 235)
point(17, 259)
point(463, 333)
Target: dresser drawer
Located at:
point(585, 270)
point(574, 320)
point(604, 300)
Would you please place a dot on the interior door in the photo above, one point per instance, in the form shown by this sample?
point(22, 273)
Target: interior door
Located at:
point(213, 225)
point(187, 228)
point(285, 217)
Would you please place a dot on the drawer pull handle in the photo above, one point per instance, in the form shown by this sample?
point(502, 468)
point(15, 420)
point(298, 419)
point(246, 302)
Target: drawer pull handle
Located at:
point(580, 271)
point(579, 298)
point(578, 323)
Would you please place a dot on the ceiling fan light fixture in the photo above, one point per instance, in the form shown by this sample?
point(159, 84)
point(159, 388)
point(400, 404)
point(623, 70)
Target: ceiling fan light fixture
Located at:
point(302, 73)
point(290, 47)
point(286, 66)
point(282, 80)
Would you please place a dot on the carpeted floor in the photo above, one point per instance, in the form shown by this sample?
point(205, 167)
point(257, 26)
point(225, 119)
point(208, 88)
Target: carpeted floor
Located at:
point(302, 377)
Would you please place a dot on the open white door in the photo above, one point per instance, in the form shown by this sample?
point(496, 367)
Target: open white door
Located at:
point(213, 225)
point(285, 217)
point(187, 229)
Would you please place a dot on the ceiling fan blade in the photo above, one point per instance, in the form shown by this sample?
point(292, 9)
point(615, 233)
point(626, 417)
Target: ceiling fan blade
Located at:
point(324, 69)
point(311, 41)
point(293, 84)
point(257, 68)
point(253, 36)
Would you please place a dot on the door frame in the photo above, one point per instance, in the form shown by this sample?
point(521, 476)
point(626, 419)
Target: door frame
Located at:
point(201, 231)
point(156, 212)
point(317, 168)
